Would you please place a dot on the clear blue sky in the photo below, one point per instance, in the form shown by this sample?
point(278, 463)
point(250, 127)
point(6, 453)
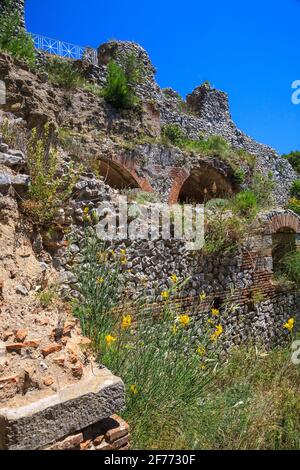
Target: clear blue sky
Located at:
point(250, 49)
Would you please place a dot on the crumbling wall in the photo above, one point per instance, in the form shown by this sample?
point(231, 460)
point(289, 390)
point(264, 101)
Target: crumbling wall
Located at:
point(19, 7)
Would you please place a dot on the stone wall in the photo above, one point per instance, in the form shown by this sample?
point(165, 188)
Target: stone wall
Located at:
point(19, 6)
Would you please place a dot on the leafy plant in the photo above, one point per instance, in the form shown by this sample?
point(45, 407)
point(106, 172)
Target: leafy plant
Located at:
point(13, 39)
point(174, 134)
point(290, 266)
point(117, 90)
point(294, 160)
point(295, 189)
point(294, 205)
point(245, 204)
point(63, 73)
point(48, 189)
point(263, 186)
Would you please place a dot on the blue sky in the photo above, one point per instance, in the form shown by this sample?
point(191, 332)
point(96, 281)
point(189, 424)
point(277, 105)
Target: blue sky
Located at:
point(251, 50)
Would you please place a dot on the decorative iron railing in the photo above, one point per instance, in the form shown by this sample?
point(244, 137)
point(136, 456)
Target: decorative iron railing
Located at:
point(64, 49)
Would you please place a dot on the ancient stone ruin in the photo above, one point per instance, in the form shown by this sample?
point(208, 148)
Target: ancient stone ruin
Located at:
point(53, 395)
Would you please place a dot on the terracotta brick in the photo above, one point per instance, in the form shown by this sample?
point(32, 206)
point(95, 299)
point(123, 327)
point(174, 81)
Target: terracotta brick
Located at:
point(104, 446)
point(119, 431)
point(77, 370)
point(21, 335)
point(51, 349)
point(121, 442)
point(98, 440)
point(9, 379)
point(70, 443)
point(48, 381)
point(60, 361)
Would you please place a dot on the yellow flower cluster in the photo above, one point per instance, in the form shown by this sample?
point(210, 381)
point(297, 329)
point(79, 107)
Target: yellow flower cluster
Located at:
point(201, 350)
point(218, 331)
point(126, 322)
point(184, 320)
point(174, 278)
point(215, 311)
point(99, 280)
point(202, 296)
point(109, 339)
point(289, 325)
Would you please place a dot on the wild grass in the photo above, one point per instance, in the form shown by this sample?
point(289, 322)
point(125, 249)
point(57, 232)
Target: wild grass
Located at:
point(180, 393)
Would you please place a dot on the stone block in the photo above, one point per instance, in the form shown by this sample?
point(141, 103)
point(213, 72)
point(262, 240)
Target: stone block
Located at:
point(39, 422)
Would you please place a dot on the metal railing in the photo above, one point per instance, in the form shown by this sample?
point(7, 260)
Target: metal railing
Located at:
point(64, 49)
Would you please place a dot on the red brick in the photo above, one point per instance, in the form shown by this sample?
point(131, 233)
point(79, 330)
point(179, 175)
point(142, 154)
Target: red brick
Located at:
point(70, 443)
point(51, 349)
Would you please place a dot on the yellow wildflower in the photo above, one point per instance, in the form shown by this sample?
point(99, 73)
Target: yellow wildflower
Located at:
point(133, 389)
point(202, 296)
point(289, 325)
point(218, 331)
point(215, 311)
point(202, 366)
point(165, 294)
point(201, 350)
point(123, 252)
point(184, 320)
point(109, 339)
point(126, 322)
point(174, 278)
point(86, 210)
point(99, 280)
point(210, 321)
point(124, 261)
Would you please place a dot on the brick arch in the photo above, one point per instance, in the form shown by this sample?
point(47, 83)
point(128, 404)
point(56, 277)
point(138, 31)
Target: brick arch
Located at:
point(191, 185)
point(119, 169)
point(179, 176)
point(285, 220)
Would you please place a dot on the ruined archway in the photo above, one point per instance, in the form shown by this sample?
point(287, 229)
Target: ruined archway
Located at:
point(117, 176)
point(204, 183)
point(283, 243)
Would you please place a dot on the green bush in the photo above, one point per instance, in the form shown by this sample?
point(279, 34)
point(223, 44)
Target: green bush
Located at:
point(64, 74)
point(295, 189)
point(173, 134)
point(294, 205)
point(263, 187)
point(245, 204)
point(13, 39)
point(48, 190)
point(116, 90)
point(294, 159)
point(121, 82)
point(290, 266)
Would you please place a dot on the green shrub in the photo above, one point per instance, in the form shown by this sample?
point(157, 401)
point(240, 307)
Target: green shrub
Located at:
point(290, 266)
point(48, 190)
point(294, 205)
point(223, 233)
point(263, 187)
point(294, 159)
point(116, 90)
point(13, 39)
point(245, 204)
point(173, 134)
point(121, 82)
point(295, 189)
point(63, 73)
